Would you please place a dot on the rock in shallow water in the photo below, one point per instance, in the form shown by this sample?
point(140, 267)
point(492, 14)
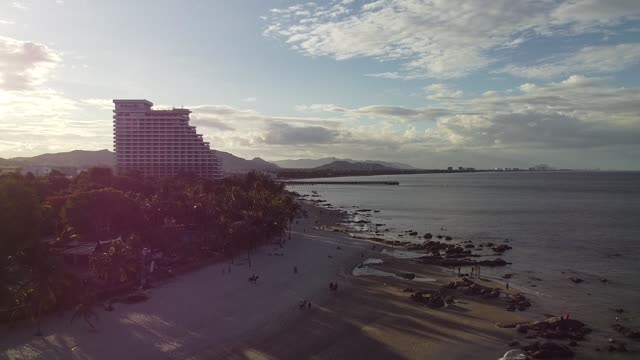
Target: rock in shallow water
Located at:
point(548, 350)
point(626, 331)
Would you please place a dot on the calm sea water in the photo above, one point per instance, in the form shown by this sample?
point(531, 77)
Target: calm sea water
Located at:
point(560, 224)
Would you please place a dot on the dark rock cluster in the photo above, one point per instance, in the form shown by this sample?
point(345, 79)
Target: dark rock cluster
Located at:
point(518, 301)
point(501, 248)
point(547, 350)
point(407, 275)
point(431, 299)
point(555, 328)
point(469, 287)
point(626, 331)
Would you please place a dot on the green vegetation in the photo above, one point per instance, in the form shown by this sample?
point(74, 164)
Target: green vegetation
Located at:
point(178, 222)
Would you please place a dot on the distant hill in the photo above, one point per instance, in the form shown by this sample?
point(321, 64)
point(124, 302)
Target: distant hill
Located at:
point(313, 163)
point(85, 158)
point(77, 158)
point(357, 166)
point(232, 163)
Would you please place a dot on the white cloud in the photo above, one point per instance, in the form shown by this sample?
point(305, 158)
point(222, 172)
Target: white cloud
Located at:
point(589, 13)
point(320, 108)
point(25, 65)
point(250, 99)
point(576, 112)
point(442, 92)
point(105, 104)
point(388, 75)
point(280, 133)
point(42, 120)
point(437, 39)
point(589, 60)
point(19, 5)
point(6, 22)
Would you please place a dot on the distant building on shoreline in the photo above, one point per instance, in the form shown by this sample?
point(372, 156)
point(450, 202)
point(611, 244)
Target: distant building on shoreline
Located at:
point(160, 142)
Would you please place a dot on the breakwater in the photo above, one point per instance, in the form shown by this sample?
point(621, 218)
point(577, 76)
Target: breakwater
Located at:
point(309, 183)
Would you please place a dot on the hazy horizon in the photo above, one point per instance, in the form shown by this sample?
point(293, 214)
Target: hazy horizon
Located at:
point(429, 83)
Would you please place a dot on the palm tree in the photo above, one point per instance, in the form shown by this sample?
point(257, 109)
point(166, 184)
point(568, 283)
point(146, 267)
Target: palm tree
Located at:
point(115, 265)
point(85, 308)
point(42, 291)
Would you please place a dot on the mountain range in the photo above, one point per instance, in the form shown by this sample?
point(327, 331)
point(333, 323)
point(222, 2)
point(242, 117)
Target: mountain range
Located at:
point(354, 166)
point(230, 162)
point(85, 158)
point(314, 163)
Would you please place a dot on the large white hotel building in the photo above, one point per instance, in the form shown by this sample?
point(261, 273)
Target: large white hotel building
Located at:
point(160, 142)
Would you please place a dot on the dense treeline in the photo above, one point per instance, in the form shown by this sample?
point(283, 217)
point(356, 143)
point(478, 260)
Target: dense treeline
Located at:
point(39, 216)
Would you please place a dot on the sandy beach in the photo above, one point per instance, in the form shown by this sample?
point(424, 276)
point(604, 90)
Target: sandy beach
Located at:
point(210, 315)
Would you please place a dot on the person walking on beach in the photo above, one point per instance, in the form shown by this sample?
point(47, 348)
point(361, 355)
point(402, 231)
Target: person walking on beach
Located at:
point(507, 285)
point(295, 269)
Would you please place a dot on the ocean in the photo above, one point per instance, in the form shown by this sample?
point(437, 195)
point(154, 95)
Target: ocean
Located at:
point(560, 224)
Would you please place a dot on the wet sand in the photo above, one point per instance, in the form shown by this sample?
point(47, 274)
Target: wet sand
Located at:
point(370, 317)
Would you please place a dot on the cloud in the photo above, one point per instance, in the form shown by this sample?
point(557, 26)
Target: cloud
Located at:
point(105, 104)
point(436, 39)
point(19, 5)
point(220, 110)
point(249, 99)
point(589, 96)
point(576, 112)
point(533, 129)
point(25, 65)
point(320, 108)
point(589, 60)
point(6, 22)
point(589, 13)
point(442, 92)
point(279, 133)
point(377, 111)
point(388, 75)
point(212, 123)
point(42, 120)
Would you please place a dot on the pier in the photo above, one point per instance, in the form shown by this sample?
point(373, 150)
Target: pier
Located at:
point(309, 183)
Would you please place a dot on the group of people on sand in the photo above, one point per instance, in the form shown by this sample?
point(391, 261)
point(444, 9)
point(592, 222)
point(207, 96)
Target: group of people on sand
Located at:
point(304, 304)
point(253, 279)
point(475, 271)
point(333, 286)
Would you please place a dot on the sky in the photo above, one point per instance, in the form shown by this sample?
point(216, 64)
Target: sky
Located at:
point(482, 83)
